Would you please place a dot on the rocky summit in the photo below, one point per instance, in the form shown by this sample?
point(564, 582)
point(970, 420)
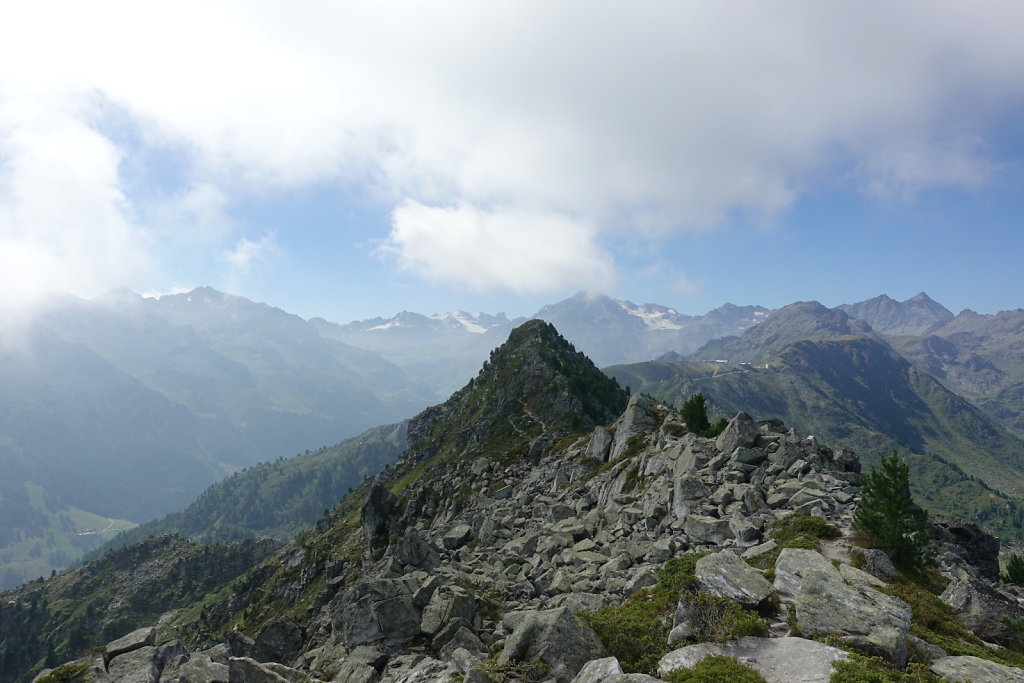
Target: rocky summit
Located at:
point(542, 528)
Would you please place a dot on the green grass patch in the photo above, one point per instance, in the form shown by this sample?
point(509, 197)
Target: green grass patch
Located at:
point(679, 572)
point(634, 445)
point(409, 477)
point(715, 669)
point(636, 632)
point(799, 528)
point(796, 531)
point(861, 669)
point(935, 622)
point(675, 429)
point(533, 671)
point(719, 619)
point(929, 611)
point(64, 673)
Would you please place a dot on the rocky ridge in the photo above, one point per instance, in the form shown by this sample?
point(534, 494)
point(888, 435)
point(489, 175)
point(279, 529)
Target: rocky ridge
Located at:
point(475, 564)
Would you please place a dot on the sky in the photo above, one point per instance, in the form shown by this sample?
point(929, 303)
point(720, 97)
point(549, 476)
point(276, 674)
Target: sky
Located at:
point(352, 160)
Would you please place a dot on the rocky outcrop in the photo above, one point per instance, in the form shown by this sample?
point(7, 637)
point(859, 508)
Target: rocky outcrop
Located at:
point(975, 669)
point(966, 544)
point(555, 637)
point(825, 602)
point(637, 422)
point(133, 641)
point(416, 552)
point(377, 514)
point(982, 607)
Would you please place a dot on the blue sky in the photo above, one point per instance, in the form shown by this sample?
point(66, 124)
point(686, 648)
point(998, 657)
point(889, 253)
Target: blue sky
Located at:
point(360, 160)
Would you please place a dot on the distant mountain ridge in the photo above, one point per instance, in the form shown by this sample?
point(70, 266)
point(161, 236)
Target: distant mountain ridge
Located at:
point(798, 321)
point(444, 350)
point(616, 331)
point(981, 357)
point(917, 316)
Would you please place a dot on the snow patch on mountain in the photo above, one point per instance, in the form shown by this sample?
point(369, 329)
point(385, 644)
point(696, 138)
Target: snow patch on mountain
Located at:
point(655, 317)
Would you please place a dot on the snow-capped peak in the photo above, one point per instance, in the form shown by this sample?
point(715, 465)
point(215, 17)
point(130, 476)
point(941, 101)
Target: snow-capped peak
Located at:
point(469, 322)
point(653, 316)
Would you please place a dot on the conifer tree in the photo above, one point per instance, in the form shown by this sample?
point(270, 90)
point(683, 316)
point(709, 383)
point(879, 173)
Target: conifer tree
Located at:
point(695, 413)
point(1014, 570)
point(888, 518)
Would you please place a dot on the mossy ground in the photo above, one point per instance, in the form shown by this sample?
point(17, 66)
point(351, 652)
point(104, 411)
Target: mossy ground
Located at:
point(636, 632)
point(715, 669)
point(795, 531)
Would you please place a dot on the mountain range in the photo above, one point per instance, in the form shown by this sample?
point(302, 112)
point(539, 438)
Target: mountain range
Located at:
point(543, 524)
point(122, 409)
point(444, 350)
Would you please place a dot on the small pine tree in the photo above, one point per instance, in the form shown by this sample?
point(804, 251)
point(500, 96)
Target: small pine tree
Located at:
point(888, 518)
point(695, 413)
point(1014, 570)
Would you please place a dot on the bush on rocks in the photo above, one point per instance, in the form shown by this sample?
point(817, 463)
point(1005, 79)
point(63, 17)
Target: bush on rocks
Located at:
point(636, 632)
point(860, 669)
point(716, 669)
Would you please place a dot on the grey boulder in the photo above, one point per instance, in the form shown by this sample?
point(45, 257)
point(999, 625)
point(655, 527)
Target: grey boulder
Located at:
point(133, 641)
point(982, 608)
point(557, 638)
point(975, 669)
point(727, 575)
point(200, 668)
point(779, 660)
point(356, 672)
point(137, 666)
point(741, 432)
point(869, 620)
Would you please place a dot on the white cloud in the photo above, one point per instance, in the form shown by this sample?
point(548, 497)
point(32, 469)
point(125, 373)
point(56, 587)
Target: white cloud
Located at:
point(243, 259)
point(195, 216)
point(248, 253)
point(64, 222)
point(509, 249)
point(662, 115)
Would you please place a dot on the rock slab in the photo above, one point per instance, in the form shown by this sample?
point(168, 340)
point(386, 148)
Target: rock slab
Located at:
point(779, 660)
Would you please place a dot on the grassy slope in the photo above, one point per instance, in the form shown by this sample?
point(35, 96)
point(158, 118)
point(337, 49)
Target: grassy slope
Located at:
point(49, 622)
point(41, 535)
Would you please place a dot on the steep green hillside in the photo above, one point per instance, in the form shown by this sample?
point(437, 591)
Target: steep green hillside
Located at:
point(278, 498)
point(858, 394)
point(49, 622)
point(38, 533)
